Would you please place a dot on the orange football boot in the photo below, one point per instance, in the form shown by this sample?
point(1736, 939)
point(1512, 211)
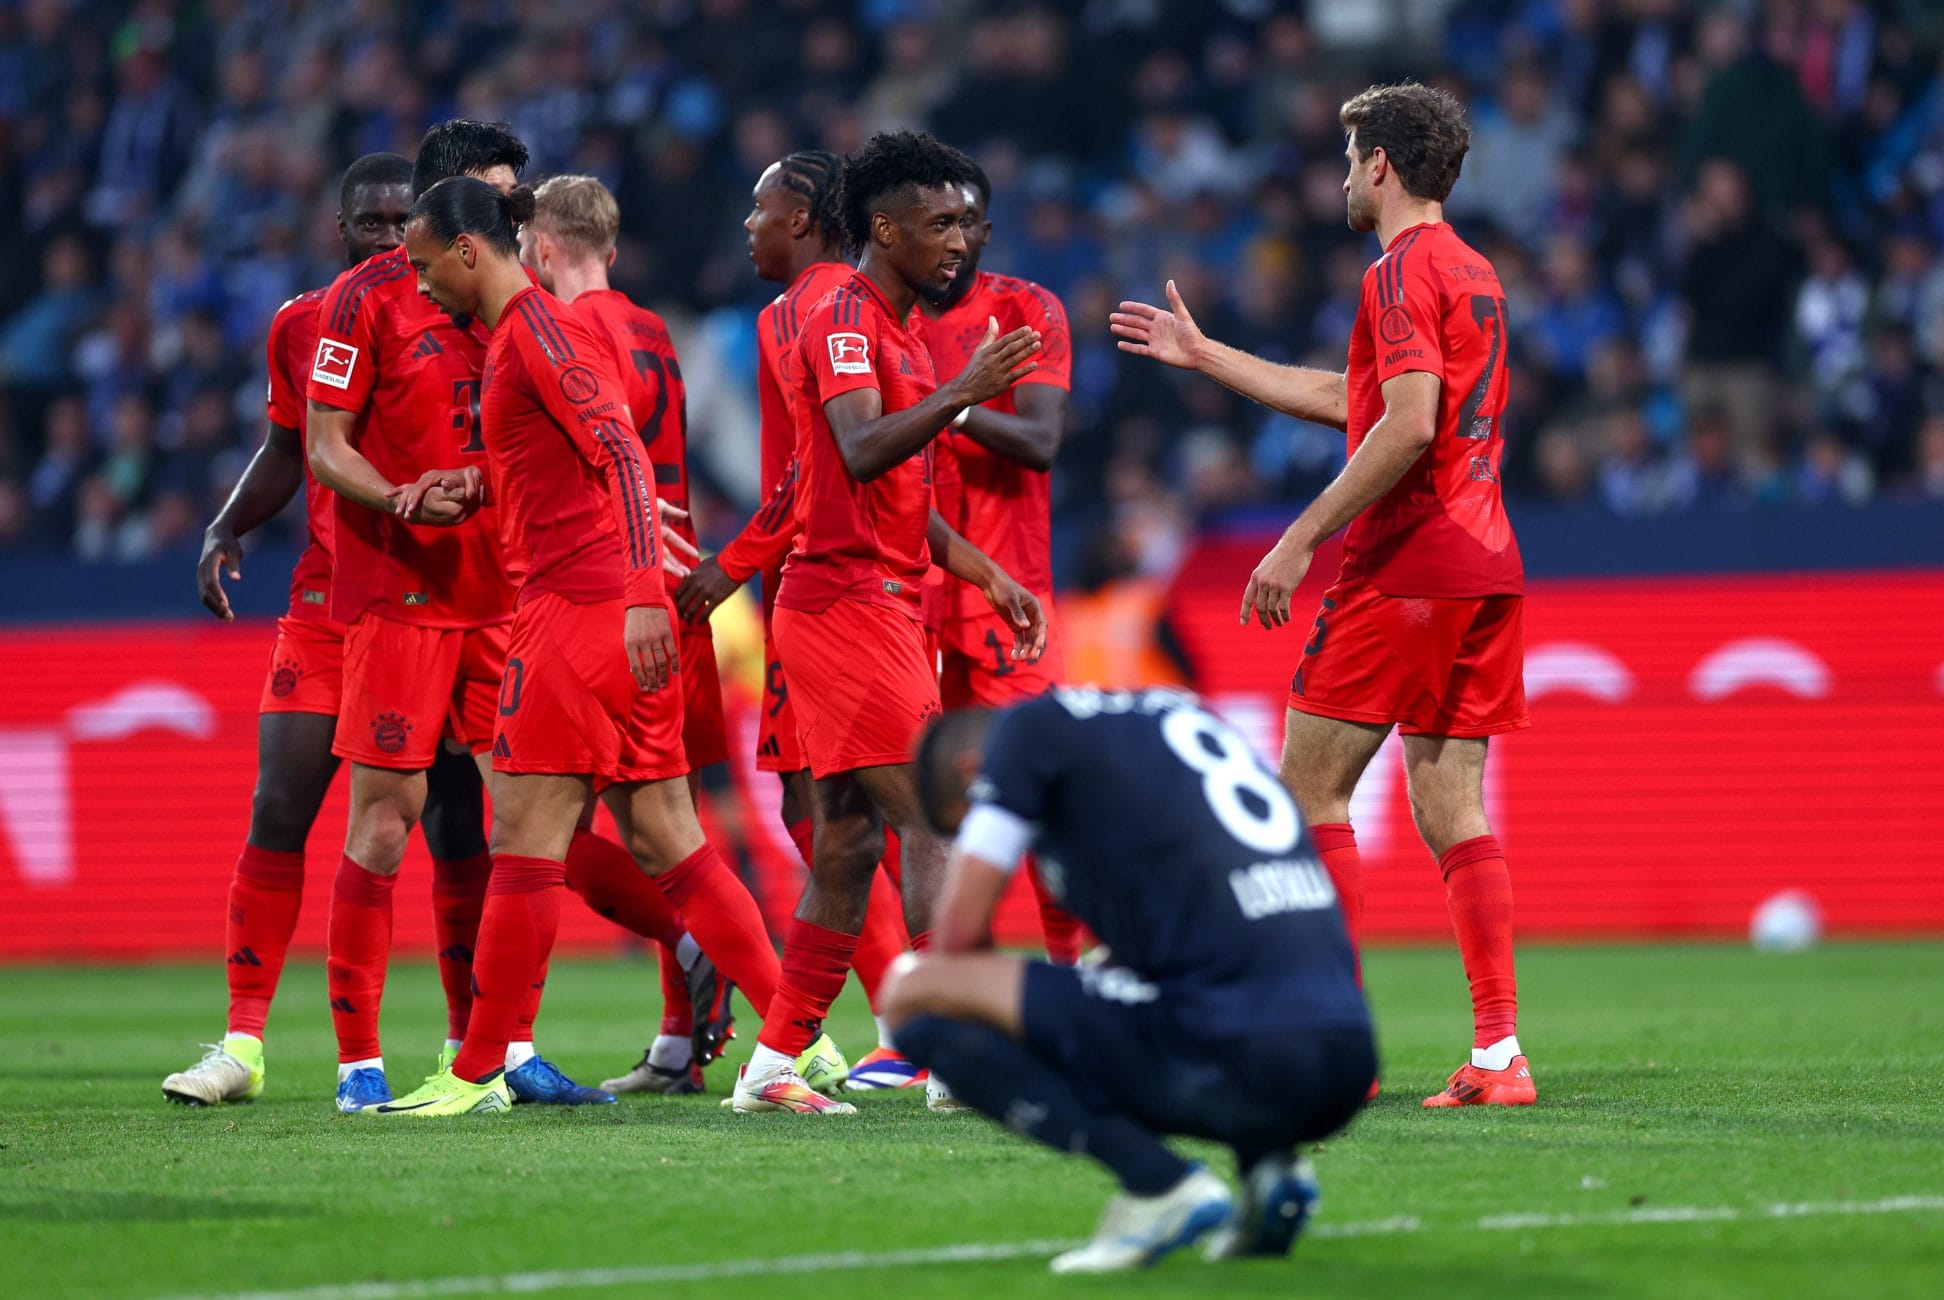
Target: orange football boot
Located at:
point(1471, 1086)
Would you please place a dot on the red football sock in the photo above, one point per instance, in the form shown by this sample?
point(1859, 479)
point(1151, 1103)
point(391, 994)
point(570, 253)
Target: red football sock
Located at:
point(724, 919)
point(1062, 928)
point(678, 1013)
point(1336, 844)
point(358, 944)
point(883, 940)
point(458, 897)
point(530, 1008)
point(614, 885)
point(516, 934)
point(264, 896)
point(803, 834)
point(815, 962)
point(1478, 892)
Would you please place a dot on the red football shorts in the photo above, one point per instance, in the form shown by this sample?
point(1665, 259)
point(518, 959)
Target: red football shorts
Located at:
point(860, 683)
point(704, 738)
point(406, 687)
point(306, 668)
point(993, 678)
point(1435, 667)
point(778, 749)
point(569, 705)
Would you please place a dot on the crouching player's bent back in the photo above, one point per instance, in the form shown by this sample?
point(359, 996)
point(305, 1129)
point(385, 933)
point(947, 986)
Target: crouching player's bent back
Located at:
point(1230, 1010)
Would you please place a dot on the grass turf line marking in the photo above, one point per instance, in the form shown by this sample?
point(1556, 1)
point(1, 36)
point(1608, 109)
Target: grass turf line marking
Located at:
point(973, 1253)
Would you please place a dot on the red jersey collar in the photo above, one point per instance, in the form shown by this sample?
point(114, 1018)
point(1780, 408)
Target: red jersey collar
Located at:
point(877, 295)
point(1422, 225)
point(811, 270)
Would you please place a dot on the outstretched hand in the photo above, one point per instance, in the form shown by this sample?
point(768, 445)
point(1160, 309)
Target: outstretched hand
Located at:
point(998, 362)
point(1169, 336)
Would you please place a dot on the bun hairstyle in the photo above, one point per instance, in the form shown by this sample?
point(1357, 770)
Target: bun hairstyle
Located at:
point(460, 205)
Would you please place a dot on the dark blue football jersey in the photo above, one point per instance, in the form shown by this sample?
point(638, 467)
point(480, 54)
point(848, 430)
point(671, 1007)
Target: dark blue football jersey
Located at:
point(1158, 826)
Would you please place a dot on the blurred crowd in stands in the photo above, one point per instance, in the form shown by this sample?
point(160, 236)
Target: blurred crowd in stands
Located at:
point(1719, 225)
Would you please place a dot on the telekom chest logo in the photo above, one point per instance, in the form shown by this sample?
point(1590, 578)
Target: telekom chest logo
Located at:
point(335, 362)
point(850, 354)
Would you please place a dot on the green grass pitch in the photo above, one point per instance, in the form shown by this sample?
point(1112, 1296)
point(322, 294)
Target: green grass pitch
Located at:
point(1684, 1094)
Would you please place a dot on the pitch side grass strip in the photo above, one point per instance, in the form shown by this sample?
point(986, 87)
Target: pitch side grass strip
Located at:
point(974, 1253)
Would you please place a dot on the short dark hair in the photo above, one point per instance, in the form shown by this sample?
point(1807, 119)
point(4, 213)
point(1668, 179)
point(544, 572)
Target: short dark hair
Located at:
point(462, 145)
point(893, 163)
point(373, 169)
point(1421, 130)
point(945, 739)
point(462, 205)
point(811, 175)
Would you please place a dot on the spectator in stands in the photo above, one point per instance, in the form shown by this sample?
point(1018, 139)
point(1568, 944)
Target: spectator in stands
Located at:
point(35, 345)
point(1738, 286)
point(1519, 137)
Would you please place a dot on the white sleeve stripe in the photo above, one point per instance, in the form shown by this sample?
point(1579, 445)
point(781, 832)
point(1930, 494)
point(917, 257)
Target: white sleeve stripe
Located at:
point(998, 836)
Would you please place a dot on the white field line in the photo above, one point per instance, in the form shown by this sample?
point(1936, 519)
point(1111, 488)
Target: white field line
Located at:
point(973, 1253)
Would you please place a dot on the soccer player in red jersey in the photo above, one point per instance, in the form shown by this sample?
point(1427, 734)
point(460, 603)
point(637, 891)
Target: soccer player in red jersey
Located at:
point(1423, 629)
point(569, 246)
point(795, 239)
point(593, 642)
point(394, 392)
point(1002, 456)
point(847, 614)
point(298, 712)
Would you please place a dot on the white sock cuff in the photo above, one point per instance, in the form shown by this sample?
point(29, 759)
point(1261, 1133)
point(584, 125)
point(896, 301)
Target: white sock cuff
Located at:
point(518, 1054)
point(369, 1063)
point(1498, 1055)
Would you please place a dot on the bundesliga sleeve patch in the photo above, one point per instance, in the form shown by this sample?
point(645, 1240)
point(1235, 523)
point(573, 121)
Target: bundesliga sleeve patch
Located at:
point(335, 362)
point(850, 354)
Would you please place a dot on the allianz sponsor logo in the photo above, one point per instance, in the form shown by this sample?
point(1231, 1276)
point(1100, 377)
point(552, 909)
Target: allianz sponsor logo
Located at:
point(1269, 888)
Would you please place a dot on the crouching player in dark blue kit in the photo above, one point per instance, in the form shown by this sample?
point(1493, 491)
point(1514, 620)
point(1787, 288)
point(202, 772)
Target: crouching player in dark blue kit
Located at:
point(1229, 1009)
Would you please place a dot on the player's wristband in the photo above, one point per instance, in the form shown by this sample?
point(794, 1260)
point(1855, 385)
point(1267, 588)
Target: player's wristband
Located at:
point(958, 421)
point(998, 836)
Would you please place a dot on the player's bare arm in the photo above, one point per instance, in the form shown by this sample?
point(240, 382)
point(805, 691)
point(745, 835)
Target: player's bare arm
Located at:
point(1170, 336)
point(272, 477)
point(970, 896)
point(339, 466)
point(1031, 436)
point(1393, 445)
point(1018, 606)
point(872, 442)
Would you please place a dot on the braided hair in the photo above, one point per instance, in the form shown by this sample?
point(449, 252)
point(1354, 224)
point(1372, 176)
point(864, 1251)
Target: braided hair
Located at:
point(811, 175)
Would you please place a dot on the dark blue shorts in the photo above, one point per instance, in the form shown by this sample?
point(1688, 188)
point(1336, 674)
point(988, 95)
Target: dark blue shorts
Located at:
point(1129, 1050)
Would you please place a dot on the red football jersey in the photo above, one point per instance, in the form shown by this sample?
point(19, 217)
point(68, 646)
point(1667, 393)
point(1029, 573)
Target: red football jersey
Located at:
point(565, 459)
point(412, 377)
point(291, 347)
point(651, 381)
point(1431, 303)
point(861, 540)
point(1004, 508)
point(767, 537)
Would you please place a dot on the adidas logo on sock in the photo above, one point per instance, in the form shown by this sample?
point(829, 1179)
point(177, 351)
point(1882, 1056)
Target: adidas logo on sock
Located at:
point(243, 957)
point(343, 1005)
point(455, 952)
